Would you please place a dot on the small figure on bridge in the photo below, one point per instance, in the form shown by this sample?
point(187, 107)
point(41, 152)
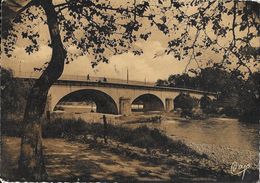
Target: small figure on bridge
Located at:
point(105, 128)
point(88, 78)
point(105, 79)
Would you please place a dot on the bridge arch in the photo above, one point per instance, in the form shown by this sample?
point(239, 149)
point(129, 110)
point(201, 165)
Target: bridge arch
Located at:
point(104, 102)
point(147, 102)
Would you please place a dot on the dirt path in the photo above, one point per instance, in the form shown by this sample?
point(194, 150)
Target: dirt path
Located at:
point(74, 161)
point(66, 160)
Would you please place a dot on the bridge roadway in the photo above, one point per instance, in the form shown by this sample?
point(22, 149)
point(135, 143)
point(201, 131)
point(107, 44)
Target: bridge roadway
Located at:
point(114, 96)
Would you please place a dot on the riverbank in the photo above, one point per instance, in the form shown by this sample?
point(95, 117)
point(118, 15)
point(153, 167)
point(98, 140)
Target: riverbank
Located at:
point(225, 141)
point(111, 118)
point(96, 161)
point(134, 152)
point(68, 160)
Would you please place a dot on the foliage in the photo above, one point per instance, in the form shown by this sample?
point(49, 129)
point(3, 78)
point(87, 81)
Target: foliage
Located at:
point(101, 29)
point(161, 82)
point(143, 136)
point(63, 128)
point(206, 104)
point(237, 96)
point(13, 94)
point(213, 79)
point(94, 28)
point(186, 103)
point(182, 81)
point(229, 85)
point(249, 102)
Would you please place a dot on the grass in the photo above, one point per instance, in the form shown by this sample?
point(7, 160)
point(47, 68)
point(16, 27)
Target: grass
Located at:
point(59, 128)
point(143, 137)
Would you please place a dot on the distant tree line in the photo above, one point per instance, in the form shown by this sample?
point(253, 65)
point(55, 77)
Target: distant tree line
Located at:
point(238, 96)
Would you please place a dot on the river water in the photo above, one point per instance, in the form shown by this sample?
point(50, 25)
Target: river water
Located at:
point(216, 131)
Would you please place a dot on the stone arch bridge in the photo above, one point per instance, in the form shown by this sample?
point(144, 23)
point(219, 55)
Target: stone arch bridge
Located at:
point(114, 97)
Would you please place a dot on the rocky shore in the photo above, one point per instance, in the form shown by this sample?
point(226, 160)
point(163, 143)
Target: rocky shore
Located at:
point(224, 155)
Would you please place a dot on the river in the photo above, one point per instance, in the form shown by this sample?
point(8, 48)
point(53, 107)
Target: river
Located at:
point(222, 140)
point(217, 131)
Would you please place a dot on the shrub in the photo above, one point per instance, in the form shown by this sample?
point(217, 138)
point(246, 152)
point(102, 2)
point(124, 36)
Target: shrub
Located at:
point(63, 127)
point(250, 115)
point(186, 103)
point(143, 136)
point(14, 94)
point(206, 104)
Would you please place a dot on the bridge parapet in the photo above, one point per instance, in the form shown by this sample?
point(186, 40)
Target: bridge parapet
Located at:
point(93, 80)
point(87, 78)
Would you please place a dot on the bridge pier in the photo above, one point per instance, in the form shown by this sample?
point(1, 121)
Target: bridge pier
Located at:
point(124, 106)
point(169, 104)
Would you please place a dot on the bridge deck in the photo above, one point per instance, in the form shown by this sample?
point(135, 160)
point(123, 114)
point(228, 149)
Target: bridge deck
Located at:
point(128, 85)
point(112, 82)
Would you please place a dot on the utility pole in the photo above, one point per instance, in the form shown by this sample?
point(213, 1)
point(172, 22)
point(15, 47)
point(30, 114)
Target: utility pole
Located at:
point(127, 75)
point(20, 67)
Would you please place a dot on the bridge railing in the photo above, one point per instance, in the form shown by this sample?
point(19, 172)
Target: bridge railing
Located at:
point(95, 79)
point(86, 78)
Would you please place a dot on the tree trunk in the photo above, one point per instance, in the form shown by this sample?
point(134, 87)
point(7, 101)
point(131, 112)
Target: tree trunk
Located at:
point(31, 162)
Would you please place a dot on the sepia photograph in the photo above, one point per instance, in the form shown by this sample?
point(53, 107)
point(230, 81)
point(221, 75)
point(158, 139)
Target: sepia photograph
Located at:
point(130, 91)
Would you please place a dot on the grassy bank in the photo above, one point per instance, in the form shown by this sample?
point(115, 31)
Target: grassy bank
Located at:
point(142, 137)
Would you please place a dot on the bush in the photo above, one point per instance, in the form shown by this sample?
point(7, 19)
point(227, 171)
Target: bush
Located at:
point(206, 104)
point(63, 128)
point(231, 111)
point(140, 137)
point(250, 114)
point(186, 103)
point(143, 136)
point(14, 94)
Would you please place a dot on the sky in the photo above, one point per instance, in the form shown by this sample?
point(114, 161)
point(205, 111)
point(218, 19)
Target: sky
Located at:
point(140, 68)
point(145, 67)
